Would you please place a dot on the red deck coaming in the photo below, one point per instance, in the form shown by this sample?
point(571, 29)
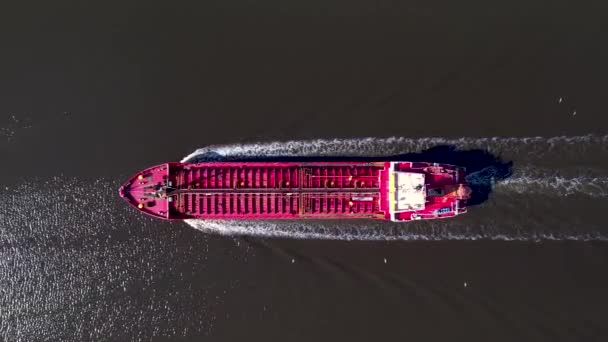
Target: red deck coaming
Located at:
point(277, 190)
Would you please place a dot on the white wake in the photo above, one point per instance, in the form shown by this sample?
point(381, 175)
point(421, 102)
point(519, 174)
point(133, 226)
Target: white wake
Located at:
point(371, 147)
point(525, 180)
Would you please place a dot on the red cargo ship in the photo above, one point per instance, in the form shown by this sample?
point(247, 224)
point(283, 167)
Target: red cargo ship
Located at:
point(395, 191)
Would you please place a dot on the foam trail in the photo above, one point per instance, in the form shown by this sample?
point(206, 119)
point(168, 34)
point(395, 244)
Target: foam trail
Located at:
point(545, 182)
point(497, 224)
point(408, 231)
point(370, 147)
point(312, 230)
point(556, 185)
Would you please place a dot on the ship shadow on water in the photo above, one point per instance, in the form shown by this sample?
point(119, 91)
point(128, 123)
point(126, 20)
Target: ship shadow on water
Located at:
point(484, 169)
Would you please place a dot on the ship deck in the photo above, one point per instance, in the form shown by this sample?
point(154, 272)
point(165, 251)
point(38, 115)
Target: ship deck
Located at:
point(397, 191)
point(276, 190)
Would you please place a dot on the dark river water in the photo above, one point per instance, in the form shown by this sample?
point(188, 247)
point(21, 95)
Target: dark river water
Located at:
point(515, 91)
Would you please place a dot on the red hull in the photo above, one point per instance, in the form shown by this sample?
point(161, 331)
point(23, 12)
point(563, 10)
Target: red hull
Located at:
point(397, 191)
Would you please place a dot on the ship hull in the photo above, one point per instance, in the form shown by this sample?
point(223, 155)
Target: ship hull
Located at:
point(396, 191)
